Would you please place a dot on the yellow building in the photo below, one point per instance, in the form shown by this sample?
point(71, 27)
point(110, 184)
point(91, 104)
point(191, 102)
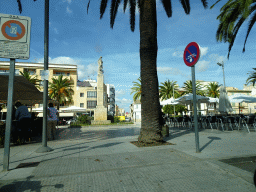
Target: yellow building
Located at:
point(85, 92)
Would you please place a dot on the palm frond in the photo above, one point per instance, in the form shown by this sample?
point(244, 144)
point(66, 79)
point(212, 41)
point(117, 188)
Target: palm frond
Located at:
point(113, 11)
point(251, 23)
point(132, 14)
point(103, 6)
point(167, 7)
point(186, 6)
point(215, 4)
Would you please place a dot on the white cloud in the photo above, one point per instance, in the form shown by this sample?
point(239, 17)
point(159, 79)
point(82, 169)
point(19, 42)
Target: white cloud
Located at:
point(69, 10)
point(202, 66)
point(178, 54)
point(217, 58)
point(69, 1)
point(56, 30)
point(203, 51)
point(170, 71)
point(119, 93)
point(123, 101)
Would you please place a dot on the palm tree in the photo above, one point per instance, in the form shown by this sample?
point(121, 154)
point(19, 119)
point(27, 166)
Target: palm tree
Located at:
point(189, 88)
point(234, 11)
point(166, 90)
point(60, 90)
point(252, 77)
point(31, 79)
point(213, 91)
point(136, 89)
point(150, 124)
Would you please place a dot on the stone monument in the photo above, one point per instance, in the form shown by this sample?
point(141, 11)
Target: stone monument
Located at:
point(100, 113)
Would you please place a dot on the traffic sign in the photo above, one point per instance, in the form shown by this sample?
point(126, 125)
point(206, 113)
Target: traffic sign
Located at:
point(14, 36)
point(191, 54)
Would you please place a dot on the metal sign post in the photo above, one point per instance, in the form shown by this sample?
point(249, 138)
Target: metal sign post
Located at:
point(191, 56)
point(14, 44)
point(9, 117)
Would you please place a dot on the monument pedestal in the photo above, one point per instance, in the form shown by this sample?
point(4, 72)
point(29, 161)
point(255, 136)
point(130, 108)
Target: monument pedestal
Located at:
point(100, 116)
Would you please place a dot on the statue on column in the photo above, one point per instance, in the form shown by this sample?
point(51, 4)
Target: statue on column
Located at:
point(100, 63)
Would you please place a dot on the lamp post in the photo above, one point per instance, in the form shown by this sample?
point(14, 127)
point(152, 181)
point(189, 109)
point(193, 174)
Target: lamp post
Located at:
point(222, 64)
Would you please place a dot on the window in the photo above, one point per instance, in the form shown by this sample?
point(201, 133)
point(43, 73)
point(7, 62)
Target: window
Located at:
point(91, 104)
point(81, 104)
point(17, 71)
point(58, 73)
point(91, 94)
point(30, 71)
point(81, 94)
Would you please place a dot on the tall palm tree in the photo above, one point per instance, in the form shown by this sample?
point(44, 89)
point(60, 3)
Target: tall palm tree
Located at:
point(31, 79)
point(60, 90)
point(136, 89)
point(213, 91)
point(252, 77)
point(150, 124)
point(234, 11)
point(189, 88)
point(166, 90)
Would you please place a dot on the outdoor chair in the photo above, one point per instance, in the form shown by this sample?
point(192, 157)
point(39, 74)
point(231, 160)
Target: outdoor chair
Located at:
point(222, 121)
point(233, 121)
point(248, 122)
point(212, 120)
point(180, 121)
point(203, 122)
point(187, 122)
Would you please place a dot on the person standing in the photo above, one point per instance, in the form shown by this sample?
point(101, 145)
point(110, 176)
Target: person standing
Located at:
point(23, 117)
point(52, 122)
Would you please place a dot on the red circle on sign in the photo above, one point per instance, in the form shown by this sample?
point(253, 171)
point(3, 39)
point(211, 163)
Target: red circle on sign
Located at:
point(196, 58)
point(7, 24)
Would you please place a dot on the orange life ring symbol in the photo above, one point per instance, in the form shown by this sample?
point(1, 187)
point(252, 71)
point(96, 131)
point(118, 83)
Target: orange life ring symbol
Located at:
point(7, 24)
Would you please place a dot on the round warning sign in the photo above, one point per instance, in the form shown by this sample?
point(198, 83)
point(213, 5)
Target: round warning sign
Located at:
point(13, 30)
point(191, 54)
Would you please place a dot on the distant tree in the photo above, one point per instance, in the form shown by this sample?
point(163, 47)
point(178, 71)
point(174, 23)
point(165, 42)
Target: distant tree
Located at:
point(232, 16)
point(169, 109)
point(252, 77)
point(60, 90)
point(33, 80)
point(166, 90)
point(189, 89)
point(136, 89)
point(213, 91)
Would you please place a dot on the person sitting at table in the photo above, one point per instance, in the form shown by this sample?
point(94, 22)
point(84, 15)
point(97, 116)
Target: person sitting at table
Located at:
point(23, 117)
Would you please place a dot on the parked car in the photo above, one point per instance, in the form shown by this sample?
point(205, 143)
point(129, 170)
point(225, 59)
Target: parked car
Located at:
point(71, 121)
point(127, 119)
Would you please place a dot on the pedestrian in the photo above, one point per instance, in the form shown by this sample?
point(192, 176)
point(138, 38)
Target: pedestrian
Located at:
point(23, 118)
point(52, 122)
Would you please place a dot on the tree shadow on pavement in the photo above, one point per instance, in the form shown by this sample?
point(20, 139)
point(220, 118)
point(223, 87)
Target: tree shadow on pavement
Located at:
point(20, 186)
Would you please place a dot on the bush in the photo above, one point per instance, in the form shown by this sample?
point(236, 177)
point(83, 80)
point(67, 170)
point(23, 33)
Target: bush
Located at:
point(84, 119)
point(116, 119)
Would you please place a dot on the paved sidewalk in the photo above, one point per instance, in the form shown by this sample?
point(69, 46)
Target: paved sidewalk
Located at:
point(114, 164)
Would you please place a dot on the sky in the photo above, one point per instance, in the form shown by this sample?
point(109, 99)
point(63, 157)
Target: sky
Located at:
point(76, 37)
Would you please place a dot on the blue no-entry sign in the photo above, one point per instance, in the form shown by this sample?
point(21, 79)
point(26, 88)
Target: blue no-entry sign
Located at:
point(191, 54)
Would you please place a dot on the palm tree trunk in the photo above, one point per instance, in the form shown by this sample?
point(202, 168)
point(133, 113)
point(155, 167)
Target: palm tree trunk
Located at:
point(150, 106)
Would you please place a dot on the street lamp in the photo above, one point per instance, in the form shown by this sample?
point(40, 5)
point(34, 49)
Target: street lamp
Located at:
point(222, 64)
